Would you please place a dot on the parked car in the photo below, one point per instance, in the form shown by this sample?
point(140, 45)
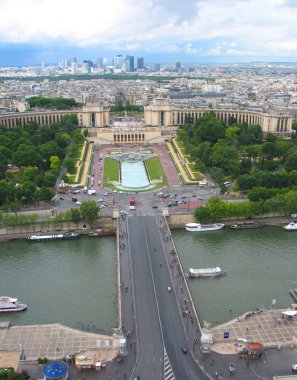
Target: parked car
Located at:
point(74, 199)
point(294, 367)
point(293, 215)
point(78, 203)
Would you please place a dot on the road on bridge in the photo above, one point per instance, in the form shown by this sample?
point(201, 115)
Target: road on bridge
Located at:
point(158, 320)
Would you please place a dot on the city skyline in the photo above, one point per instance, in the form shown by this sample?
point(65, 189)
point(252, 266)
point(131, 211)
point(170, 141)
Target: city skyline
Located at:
point(212, 31)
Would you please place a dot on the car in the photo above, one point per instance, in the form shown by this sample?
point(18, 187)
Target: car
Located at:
point(169, 289)
point(58, 229)
point(100, 200)
point(294, 367)
point(74, 199)
point(115, 191)
point(293, 215)
point(106, 194)
point(184, 350)
point(102, 206)
point(75, 191)
point(78, 203)
point(154, 206)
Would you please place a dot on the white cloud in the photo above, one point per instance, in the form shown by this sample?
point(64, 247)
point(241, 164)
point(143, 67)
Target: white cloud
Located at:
point(189, 49)
point(242, 27)
point(214, 52)
point(240, 52)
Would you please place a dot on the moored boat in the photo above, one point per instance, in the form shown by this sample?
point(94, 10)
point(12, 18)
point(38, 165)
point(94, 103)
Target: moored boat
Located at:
point(66, 235)
point(10, 307)
point(207, 272)
point(291, 227)
point(246, 225)
point(197, 227)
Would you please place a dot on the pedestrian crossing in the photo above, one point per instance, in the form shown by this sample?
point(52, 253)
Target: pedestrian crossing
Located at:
point(168, 372)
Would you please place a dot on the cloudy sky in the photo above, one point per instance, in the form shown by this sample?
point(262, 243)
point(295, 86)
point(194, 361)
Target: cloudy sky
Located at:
point(161, 31)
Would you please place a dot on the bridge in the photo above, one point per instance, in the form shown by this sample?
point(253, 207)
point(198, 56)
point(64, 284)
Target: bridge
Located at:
point(161, 317)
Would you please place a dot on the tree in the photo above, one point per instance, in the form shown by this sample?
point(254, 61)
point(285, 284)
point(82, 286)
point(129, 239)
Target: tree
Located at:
point(89, 211)
point(55, 162)
point(75, 215)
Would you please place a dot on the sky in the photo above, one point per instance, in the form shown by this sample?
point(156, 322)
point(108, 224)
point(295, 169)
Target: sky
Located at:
point(161, 31)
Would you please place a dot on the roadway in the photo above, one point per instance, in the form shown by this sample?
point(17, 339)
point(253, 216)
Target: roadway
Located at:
point(158, 319)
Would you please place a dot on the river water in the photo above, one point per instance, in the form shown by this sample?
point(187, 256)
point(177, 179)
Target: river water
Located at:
point(74, 282)
point(261, 266)
point(71, 281)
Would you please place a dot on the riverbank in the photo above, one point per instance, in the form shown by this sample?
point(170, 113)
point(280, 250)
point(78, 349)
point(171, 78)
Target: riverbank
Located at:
point(108, 224)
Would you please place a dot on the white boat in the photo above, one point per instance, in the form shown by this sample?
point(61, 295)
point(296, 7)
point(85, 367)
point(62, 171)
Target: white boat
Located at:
point(197, 227)
point(66, 235)
point(8, 299)
point(207, 272)
point(9, 307)
point(291, 227)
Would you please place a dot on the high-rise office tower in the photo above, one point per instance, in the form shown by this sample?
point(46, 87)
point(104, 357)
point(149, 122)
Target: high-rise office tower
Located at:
point(140, 63)
point(118, 61)
point(74, 67)
point(130, 63)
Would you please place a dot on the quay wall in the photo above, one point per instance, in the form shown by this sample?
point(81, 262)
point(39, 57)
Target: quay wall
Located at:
point(179, 220)
point(22, 232)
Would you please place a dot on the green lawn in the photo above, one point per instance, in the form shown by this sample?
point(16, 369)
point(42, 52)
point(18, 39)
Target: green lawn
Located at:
point(154, 168)
point(111, 170)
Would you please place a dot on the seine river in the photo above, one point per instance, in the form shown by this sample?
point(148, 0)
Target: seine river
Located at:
point(74, 282)
point(261, 266)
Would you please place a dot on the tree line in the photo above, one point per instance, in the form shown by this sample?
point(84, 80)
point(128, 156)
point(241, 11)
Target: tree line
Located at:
point(30, 161)
point(53, 103)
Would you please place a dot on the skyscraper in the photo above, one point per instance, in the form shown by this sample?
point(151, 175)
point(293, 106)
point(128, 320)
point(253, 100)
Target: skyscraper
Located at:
point(130, 63)
point(118, 61)
point(140, 63)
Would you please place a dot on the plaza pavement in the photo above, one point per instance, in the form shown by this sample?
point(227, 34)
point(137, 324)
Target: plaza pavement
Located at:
point(52, 341)
point(266, 327)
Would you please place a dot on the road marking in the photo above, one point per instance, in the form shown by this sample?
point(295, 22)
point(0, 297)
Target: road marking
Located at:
point(168, 372)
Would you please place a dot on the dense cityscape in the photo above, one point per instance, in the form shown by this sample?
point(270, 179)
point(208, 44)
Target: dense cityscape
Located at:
point(148, 185)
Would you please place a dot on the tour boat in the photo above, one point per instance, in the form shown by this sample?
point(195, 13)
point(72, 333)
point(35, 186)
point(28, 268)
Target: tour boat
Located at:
point(66, 235)
point(10, 307)
point(207, 272)
point(8, 299)
point(197, 227)
point(291, 227)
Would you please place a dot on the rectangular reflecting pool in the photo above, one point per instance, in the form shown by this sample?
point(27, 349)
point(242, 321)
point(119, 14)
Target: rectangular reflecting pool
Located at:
point(133, 174)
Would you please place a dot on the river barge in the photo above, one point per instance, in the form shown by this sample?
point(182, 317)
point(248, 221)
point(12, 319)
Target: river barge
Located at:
point(65, 235)
point(246, 225)
point(100, 232)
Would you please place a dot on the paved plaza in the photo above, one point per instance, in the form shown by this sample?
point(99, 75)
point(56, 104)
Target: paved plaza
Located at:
point(52, 341)
point(268, 327)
